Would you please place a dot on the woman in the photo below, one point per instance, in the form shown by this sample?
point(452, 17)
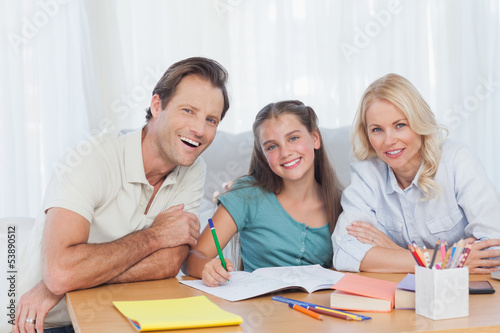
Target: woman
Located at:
point(285, 209)
point(410, 184)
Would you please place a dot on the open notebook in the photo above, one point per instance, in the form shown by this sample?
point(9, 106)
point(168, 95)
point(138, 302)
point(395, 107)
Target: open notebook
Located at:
point(179, 313)
point(243, 285)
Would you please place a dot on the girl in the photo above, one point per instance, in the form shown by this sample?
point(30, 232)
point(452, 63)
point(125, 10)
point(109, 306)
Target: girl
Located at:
point(285, 209)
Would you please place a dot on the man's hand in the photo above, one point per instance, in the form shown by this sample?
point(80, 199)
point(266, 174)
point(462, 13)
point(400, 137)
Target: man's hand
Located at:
point(175, 227)
point(35, 305)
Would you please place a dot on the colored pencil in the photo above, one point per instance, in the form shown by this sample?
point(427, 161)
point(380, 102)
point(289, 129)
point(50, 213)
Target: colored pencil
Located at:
point(445, 261)
point(353, 316)
point(467, 250)
point(419, 254)
point(415, 256)
point(306, 311)
point(426, 256)
point(332, 311)
point(436, 249)
point(217, 245)
point(443, 250)
point(329, 313)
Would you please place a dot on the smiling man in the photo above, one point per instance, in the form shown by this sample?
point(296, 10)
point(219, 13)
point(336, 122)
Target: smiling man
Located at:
point(128, 211)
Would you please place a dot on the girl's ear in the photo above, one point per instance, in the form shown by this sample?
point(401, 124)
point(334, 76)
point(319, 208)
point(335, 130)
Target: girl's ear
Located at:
point(316, 139)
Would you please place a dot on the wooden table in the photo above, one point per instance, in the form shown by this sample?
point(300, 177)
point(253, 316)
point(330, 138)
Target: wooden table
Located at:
point(92, 310)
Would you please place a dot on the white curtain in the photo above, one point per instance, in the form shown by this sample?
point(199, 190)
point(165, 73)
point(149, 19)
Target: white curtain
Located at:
point(71, 68)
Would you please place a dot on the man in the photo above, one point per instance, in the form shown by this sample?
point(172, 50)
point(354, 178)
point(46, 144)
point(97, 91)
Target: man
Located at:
point(127, 212)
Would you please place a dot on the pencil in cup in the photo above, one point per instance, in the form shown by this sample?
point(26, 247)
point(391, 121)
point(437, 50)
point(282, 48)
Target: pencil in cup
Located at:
point(217, 245)
point(436, 249)
point(465, 255)
point(420, 254)
point(427, 258)
point(446, 258)
point(443, 249)
point(306, 311)
point(415, 256)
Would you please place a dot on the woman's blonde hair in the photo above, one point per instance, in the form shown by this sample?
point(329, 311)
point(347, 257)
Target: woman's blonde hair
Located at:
point(398, 91)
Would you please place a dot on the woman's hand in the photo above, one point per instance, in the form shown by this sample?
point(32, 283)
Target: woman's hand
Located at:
point(481, 260)
point(214, 274)
point(33, 307)
point(366, 233)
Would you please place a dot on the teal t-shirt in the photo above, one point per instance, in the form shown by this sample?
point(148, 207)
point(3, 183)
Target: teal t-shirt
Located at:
point(269, 236)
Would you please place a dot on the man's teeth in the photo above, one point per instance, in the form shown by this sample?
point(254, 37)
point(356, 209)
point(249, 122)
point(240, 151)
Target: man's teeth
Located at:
point(394, 152)
point(194, 143)
point(291, 163)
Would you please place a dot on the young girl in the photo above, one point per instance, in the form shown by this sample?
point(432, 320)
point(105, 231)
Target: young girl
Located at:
point(285, 209)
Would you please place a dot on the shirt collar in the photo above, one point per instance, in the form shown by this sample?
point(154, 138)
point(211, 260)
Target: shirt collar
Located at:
point(392, 183)
point(134, 164)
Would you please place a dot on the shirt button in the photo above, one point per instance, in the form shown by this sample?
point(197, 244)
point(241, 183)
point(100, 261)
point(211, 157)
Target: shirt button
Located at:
point(302, 249)
point(303, 233)
point(298, 260)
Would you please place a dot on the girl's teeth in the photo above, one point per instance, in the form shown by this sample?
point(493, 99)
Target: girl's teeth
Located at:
point(291, 163)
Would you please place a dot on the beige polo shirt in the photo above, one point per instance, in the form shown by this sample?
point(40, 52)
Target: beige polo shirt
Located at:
point(103, 180)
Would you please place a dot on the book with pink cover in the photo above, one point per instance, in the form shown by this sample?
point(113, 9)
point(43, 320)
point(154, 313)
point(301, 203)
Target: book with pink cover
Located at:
point(379, 294)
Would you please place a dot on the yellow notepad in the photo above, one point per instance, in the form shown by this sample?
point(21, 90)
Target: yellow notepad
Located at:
point(169, 314)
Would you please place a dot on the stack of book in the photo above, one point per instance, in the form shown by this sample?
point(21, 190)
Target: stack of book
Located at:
point(360, 293)
point(405, 293)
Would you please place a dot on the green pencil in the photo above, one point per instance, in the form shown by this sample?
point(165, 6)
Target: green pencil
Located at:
point(217, 245)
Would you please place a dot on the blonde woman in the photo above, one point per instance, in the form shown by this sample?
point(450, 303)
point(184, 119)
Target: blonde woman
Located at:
point(410, 184)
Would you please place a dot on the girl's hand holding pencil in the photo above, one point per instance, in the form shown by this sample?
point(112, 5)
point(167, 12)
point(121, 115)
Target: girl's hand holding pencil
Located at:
point(214, 274)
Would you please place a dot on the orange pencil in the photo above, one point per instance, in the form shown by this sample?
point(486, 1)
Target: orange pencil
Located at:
point(419, 254)
point(414, 254)
point(306, 311)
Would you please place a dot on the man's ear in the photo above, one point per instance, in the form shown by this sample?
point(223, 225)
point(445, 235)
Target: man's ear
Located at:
point(155, 105)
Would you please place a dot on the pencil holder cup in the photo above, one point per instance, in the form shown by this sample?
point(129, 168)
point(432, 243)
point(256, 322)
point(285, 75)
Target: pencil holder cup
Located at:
point(442, 294)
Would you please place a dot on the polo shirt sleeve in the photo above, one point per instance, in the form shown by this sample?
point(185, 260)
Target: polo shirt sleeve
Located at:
point(80, 180)
point(358, 201)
